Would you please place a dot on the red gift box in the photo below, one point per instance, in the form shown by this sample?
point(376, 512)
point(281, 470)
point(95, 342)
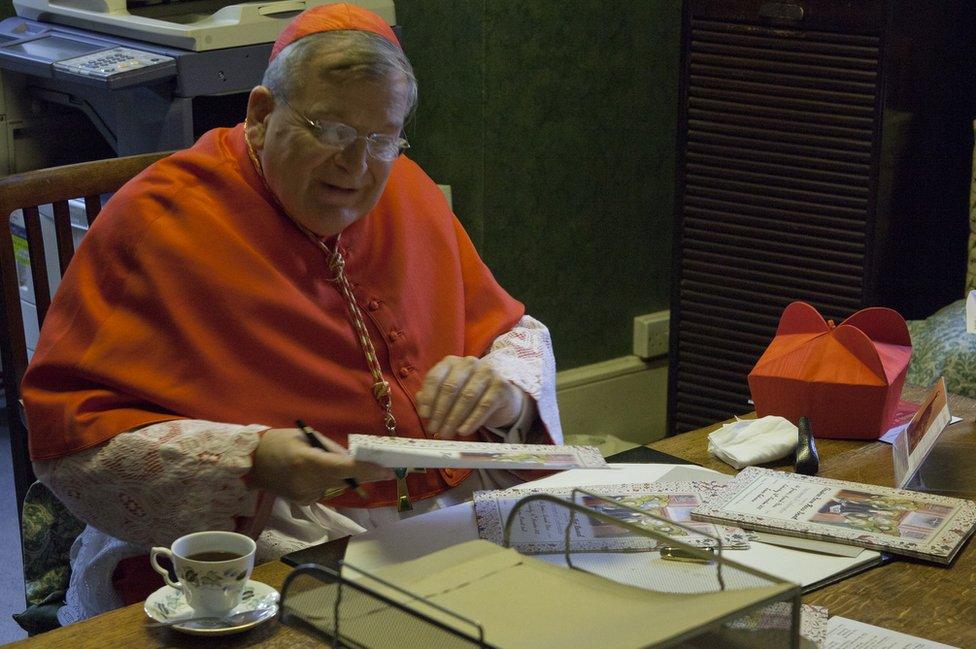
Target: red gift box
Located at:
point(846, 379)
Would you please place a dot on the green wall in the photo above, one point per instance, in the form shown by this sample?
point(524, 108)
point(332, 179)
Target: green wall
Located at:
point(554, 123)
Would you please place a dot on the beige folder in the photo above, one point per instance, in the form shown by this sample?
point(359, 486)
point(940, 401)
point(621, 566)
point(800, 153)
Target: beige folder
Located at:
point(524, 603)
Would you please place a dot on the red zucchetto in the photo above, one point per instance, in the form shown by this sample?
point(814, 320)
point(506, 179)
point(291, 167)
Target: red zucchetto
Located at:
point(330, 18)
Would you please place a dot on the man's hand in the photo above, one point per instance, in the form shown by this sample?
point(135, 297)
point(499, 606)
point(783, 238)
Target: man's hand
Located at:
point(462, 394)
point(286, 465)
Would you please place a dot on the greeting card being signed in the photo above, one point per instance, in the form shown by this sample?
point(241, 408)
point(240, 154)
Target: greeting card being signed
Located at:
point(395, 452)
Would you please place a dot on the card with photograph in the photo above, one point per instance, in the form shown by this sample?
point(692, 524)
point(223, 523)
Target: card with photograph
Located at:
point(911, 446)
point(898, 521)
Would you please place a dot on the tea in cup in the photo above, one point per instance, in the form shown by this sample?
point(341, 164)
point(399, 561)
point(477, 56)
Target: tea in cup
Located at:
point(211, 568)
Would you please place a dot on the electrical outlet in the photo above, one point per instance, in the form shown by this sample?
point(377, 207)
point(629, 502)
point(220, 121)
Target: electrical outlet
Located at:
point(652, 334)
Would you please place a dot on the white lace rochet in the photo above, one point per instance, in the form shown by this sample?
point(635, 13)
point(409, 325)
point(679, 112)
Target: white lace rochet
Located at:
point(149, 486)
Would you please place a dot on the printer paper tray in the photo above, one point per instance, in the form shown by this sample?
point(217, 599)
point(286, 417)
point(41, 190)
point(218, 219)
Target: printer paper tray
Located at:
point(231, 25)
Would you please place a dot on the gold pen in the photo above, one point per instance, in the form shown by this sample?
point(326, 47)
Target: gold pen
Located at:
point(670, 553)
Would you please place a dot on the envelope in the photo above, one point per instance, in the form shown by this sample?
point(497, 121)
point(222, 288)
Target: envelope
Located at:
point(846, 380)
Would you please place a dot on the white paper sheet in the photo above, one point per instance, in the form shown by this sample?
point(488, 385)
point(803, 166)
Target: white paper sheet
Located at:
point(414, 537)
point(843, 633)
point(421, 535)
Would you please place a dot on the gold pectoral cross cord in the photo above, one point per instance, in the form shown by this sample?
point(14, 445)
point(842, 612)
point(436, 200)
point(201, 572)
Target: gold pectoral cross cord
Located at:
point(381, 388)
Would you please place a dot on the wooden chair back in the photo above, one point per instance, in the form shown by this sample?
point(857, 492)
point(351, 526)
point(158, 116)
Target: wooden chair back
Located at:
point(24, 194)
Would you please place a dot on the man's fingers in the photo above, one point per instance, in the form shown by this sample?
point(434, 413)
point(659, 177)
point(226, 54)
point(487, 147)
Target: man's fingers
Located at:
point(460, 395)
point(432, 383)
point(329, 444)
point(489, 401)
point(472, 401)
point(369, 472)
point(447, 394)
point(339, 466)
point(286, 464)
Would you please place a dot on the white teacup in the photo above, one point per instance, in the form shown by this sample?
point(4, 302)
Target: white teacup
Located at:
point(212, 569)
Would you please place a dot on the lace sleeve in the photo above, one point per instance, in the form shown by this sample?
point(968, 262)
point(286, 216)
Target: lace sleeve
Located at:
point(151, 485)
point(524, 357)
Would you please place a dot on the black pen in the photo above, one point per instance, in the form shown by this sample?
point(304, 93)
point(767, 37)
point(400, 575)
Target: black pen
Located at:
point(312, 436)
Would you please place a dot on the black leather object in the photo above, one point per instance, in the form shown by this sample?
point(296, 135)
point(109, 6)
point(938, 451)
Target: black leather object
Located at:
point(807, 461)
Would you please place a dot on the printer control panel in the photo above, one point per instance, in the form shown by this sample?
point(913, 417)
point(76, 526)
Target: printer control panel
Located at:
point(64, 53)
point(112, 63)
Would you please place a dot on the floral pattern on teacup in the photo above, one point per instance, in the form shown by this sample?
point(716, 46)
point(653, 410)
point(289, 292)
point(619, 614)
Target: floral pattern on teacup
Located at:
point(173, 603)
point(212, 578)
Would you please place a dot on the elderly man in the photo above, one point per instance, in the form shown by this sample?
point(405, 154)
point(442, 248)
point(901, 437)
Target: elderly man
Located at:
point(294, 267)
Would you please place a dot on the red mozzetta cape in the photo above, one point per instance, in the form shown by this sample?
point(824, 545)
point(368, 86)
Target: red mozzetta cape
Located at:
point(193, 297)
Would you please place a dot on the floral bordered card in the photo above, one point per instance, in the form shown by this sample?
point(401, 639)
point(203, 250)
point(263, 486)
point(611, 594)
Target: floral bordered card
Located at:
point(911, 523)
point(540, 526)
point(396, 452)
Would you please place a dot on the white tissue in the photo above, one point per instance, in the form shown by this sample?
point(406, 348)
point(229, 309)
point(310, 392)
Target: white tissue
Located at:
point(746, 442)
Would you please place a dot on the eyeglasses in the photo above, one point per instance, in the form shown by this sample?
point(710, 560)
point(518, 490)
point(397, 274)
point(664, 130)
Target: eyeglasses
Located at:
point(336, 135)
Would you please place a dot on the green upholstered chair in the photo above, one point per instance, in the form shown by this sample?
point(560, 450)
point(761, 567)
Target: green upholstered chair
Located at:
point(47, 532)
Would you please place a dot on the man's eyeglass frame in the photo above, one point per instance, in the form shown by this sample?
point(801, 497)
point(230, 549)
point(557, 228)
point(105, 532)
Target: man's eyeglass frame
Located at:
point(377, 144)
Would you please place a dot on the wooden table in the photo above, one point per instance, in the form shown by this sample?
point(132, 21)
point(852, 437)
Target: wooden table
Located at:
point(124, 628)
point(906, 595)
point(910, 596)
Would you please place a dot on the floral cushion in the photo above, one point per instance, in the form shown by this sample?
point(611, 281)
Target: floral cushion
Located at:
point(942, 347)
point(48, 530)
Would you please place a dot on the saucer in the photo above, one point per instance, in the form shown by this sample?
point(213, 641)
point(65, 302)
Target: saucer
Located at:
point(169, 603)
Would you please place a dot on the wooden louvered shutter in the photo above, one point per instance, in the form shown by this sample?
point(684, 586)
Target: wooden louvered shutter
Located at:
point(777, 192)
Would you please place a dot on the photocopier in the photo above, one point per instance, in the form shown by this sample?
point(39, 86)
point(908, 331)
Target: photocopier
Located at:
point(135, 67)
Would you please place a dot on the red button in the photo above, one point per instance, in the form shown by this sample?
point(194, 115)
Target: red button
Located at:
point(394, 334)
point(405, 371)
point(374, 304)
